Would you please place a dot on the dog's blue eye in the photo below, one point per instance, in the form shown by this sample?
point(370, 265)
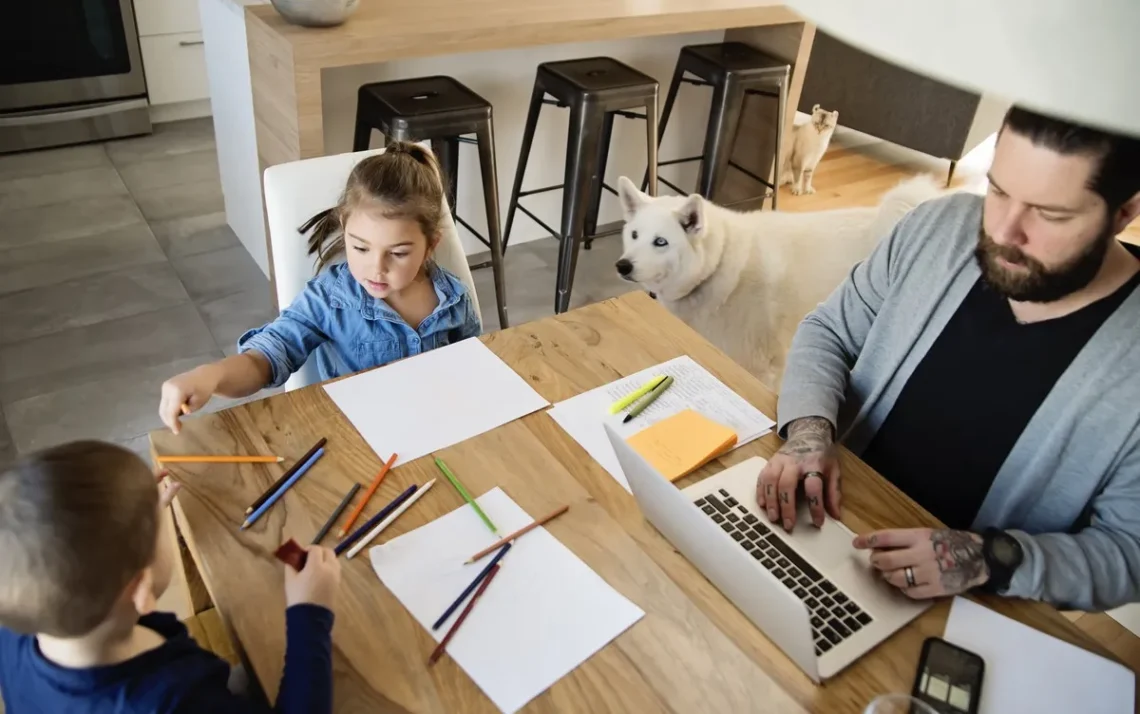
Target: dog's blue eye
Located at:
point(633, 235)
point(660, 242)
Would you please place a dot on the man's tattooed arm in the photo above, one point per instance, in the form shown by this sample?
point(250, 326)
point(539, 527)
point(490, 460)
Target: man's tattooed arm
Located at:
point(959, 558)
point(808, 435)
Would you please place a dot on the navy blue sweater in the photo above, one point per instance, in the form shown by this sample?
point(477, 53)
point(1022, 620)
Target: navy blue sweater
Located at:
point(178, 676)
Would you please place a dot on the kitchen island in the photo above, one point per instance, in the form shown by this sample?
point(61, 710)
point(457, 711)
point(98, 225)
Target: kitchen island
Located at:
point(292, 95)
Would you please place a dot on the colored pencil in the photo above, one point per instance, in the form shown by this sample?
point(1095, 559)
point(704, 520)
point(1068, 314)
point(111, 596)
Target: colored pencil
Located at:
point(634, 396)
point(367, 496)
point(438, 651)
point(371, 535)
point(285, 477)
point(470, 588)
point(465, 493)
point(647, 400)
point(371, 522)
point(525, 529)
point(251, 518)
point(185, 409)
point(324, 531)
point(211, 459)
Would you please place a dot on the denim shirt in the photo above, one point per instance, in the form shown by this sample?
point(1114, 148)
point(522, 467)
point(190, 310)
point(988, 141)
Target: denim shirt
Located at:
point(351, 331)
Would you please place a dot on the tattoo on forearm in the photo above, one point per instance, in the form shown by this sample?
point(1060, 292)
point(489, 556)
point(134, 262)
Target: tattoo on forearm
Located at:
point(809, 435)
point(959, 558)
point(810, 426)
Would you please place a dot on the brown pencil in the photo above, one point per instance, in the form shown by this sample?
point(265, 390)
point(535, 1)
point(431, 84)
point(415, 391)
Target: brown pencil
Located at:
point(285, 477)
point(367, 495)
point(525, 529)
point(438, 651)
point(216, 459)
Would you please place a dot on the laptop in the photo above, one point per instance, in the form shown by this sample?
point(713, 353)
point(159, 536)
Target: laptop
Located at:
point(808, 591)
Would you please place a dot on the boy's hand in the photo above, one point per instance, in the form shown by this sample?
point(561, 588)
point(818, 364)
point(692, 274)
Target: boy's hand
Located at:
point(190, 389)
point(167, 489)
point(317, 583)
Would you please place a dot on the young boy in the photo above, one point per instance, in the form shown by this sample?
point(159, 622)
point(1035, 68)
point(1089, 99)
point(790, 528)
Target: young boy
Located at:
point(80, 570)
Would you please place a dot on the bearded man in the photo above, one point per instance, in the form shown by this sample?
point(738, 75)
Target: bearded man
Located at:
point(986, 360)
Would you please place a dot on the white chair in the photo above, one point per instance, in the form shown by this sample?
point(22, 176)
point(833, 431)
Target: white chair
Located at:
point(297, 190)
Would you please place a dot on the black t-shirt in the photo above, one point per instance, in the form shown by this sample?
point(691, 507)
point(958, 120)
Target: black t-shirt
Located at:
point(971, 396)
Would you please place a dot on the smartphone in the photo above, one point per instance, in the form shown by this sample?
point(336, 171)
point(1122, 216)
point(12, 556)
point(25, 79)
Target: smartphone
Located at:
point(949, 678)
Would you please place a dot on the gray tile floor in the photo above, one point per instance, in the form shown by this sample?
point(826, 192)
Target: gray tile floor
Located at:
point(117, 270)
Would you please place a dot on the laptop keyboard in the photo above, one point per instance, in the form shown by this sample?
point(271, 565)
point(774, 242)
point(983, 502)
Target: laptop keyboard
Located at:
point(834, 616)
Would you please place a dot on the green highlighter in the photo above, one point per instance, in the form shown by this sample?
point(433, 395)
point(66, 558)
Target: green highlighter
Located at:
point(648, 399)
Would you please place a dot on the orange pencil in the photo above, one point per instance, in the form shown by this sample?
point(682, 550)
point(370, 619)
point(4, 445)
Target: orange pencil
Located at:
point(211, 459)
point(367, 495)
point(185, 408)
point(507, 539)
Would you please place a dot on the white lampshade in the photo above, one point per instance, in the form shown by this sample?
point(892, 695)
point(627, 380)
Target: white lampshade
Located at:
point(1074, 59)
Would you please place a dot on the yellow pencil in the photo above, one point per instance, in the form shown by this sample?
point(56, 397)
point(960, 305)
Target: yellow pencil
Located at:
point(220, 459)
point(631, 398)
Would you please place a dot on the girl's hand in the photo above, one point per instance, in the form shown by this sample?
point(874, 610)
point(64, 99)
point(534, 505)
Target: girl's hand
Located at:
point(190, 389)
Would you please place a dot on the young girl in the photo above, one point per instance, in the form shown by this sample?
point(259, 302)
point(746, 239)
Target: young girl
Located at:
point(388, 300)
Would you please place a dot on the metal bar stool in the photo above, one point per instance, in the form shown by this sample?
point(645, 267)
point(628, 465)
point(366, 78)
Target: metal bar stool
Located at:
point(734, 70)
point(444, 112)
point(596, 90)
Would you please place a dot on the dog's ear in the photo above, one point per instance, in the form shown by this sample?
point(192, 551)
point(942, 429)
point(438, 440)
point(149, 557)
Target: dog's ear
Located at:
point(691, 215)
point(631, 198)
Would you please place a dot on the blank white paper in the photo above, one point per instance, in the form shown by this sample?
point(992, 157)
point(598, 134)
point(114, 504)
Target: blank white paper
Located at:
point(545, 613)
point(1029, 671)
point(584, 417)
point(433, 400)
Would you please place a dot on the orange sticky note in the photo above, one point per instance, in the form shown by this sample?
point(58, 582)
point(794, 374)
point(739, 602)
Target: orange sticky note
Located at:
point(683, 443)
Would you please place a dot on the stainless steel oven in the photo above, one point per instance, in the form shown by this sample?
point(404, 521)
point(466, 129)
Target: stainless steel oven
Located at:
point(70, 71)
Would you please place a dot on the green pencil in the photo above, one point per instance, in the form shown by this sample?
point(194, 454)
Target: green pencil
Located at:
point(463, 492)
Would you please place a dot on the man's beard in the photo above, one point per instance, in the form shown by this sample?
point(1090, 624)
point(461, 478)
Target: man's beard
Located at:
point(1036, 283)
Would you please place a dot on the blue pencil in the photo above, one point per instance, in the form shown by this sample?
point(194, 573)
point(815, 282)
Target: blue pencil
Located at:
point(471, 588)
point(281, 491)
point(371, 522)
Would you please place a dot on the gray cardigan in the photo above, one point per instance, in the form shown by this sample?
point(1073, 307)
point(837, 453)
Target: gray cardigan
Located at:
point(1069, 490)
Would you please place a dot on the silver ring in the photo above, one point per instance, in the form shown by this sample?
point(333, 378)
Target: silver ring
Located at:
point(813, 473)
point(909, 573)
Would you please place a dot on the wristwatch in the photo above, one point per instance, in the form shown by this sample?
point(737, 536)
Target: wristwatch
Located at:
point(1003, 555)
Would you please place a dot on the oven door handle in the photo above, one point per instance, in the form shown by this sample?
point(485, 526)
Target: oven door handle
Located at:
point(55, 115)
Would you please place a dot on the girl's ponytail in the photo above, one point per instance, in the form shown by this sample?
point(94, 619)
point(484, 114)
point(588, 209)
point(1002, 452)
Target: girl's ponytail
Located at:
point(326, 239)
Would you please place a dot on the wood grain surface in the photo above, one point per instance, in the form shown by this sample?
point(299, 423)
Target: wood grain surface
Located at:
point(692, 652)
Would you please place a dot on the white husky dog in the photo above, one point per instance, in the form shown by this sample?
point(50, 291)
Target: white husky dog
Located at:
point(746, 280)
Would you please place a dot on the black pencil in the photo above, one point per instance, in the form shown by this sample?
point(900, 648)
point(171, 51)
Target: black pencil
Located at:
point(285, 477)
point(371, 522)
point(324, 531)
point(471, 588)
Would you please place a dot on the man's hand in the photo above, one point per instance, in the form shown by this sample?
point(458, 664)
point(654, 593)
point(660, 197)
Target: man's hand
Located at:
point(809, 456)
point(941, 562)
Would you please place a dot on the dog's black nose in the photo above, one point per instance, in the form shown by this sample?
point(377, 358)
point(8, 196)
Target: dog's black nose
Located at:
point(624, 267)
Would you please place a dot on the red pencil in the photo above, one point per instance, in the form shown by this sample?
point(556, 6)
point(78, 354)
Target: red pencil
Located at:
point(367, 495)
point(438, 651)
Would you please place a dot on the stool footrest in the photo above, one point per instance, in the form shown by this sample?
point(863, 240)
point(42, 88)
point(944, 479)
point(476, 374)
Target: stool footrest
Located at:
point(751, 175)
point(554, 103)
point(763, 93)
point(539, 190)
point(469, 227)
point(536, 219)
point(673, 186)
point(466, 140)
point(697, 82)
point(670, 162)
point(629, 115)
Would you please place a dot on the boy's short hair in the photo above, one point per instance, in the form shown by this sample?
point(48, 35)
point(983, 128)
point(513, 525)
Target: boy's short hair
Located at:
point(77, 523)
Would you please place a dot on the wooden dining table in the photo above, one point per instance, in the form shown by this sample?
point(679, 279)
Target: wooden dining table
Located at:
point(693, 650)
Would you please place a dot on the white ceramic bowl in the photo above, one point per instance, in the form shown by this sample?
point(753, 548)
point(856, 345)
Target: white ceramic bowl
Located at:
point(315, 13)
